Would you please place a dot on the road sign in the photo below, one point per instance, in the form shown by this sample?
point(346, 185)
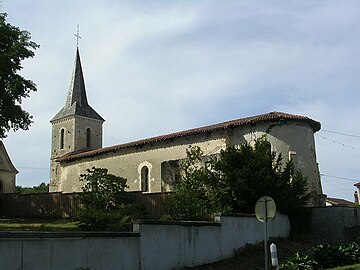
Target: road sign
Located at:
point(265, 209)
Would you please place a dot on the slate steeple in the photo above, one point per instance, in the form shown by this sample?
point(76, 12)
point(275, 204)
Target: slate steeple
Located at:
point(76, 102)
point(77, 127)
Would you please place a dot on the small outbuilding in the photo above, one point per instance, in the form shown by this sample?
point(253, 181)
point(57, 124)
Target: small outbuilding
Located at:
point(8, 172)
point(338, 202)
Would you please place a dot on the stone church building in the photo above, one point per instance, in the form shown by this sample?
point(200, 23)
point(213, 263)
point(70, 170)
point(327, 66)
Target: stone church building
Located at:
point(152, 164)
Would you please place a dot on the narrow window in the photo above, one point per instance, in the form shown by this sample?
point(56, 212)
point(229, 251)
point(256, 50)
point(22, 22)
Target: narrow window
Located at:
point(145, 179)
point(1, 187)
point(88, 137)
point(293, 158)
point(62, 132)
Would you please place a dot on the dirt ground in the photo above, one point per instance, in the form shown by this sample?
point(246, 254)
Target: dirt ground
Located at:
point(252, 257)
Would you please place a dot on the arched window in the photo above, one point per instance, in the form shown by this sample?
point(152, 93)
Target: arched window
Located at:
point(144, 179)
point(1, 187)
point(88, 137)
point(293, 157)
point(62, 134)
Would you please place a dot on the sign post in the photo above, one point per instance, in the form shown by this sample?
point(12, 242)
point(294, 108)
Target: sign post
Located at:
point(265, 210)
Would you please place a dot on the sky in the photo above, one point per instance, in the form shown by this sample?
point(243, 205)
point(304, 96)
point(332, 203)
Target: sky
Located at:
point(156, 67)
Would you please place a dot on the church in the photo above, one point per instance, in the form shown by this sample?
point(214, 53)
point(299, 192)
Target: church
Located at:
point(153, 164)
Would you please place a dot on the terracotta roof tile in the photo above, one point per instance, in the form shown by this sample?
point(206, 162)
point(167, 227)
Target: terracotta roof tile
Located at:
point(336, 201)
point(273, 116)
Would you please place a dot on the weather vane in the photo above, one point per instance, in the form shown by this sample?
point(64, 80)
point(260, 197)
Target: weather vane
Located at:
point(77, 35)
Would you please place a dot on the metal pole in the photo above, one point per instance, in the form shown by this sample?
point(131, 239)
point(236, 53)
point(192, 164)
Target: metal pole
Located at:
point(265, 234)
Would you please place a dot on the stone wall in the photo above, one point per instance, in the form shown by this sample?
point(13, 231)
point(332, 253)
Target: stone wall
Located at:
point(335, 223)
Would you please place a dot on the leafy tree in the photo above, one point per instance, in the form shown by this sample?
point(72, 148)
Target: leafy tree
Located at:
point(102, 191)
point(102, 206)
point(194, 198)
point(41, 188)
point(15, 46)
point(234, 180)
point(252, 172)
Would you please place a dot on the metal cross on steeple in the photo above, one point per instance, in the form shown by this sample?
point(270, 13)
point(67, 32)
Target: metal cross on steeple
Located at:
point(77, 35)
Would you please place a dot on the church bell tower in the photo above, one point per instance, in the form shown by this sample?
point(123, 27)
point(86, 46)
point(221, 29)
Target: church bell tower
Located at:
point(76, 127)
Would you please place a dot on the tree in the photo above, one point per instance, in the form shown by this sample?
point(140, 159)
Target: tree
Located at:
point(252, 172)
point(194, 196)
point(235, 179)
point(15, 46)
point(102, 191)
point(102, 202)
point(41, 188)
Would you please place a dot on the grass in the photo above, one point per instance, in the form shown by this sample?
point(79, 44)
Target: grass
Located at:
point(38, 225)
point(251, 257)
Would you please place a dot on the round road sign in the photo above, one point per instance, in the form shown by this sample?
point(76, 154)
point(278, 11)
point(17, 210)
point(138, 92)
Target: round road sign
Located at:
point(265, 209)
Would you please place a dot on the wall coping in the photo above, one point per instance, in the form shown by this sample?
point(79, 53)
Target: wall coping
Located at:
point(335, 206)
point(77, 234)
point(176, 222)
point(238, 215)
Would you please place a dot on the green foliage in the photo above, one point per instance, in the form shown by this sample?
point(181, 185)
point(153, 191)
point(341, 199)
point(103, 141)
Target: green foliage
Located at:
point(234, 180)
point(15, 46)
point(252, 172)
point(102, 206)
point(193, 199)
point(41, 188)
point(300, 262)
point(325, 256)
point(102, 191)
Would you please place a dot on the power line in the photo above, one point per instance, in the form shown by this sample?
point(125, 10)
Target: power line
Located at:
point(340, 133)
point(339, 177)
point(340, 143)
point(337, 186)
point(33, 168)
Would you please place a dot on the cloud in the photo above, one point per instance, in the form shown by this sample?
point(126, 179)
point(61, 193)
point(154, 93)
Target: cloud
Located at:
point(153, 67)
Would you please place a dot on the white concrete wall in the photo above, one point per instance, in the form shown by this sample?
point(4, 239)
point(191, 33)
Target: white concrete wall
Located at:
point(36, 251)
point(174, 246)
point(235, 231)
point(187, 244)
point(155, 245)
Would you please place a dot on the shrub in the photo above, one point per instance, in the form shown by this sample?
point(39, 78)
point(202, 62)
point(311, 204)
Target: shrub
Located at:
point(328, 256)
point(325, 256)
point(102, 206)
point(300, 262)
point(234, 180)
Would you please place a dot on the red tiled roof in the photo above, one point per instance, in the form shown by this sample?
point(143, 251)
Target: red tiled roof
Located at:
point(336, 201)
point(273, 116)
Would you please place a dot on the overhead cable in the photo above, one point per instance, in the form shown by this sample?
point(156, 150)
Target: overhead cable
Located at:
point(339, 177)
